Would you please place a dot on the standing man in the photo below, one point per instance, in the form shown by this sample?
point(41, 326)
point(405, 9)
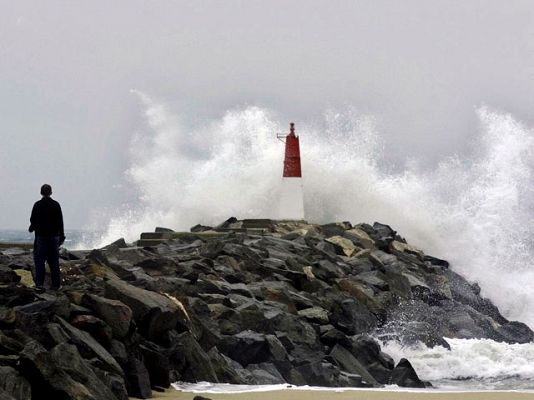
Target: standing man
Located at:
point(47, 222)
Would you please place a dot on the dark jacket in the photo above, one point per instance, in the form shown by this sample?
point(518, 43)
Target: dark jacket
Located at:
point(47, 218)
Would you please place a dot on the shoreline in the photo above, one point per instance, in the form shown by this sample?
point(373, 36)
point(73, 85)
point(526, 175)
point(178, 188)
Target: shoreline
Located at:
point(347, 394)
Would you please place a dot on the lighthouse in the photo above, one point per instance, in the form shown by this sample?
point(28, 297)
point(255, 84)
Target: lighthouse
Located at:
point(291, 197)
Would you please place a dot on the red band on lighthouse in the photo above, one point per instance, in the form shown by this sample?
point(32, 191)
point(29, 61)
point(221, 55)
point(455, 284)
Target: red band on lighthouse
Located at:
point(292, 157)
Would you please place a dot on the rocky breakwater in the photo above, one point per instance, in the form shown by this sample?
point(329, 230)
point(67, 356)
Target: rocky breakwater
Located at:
point(288, 302)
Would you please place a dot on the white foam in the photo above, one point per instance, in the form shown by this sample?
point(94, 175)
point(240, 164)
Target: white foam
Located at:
point(481, 360)
point(474, 212)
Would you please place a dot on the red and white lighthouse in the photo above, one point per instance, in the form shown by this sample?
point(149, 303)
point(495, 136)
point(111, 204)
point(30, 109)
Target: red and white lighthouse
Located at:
point(291, 198)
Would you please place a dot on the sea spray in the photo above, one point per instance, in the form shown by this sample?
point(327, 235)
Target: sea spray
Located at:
point(473, 212)
point(471, 363)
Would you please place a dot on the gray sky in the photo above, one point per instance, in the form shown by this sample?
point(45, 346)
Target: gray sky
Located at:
point(67, 67)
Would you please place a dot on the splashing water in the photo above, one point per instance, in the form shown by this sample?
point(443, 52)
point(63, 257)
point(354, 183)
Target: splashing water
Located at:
point(471, 364)
point(472, 212)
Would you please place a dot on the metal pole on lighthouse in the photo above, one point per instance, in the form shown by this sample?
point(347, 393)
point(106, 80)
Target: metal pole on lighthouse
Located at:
point(291, 196)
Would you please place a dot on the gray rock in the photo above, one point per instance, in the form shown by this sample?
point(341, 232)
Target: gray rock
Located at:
point(7, 275)
point(315, 314)
point(137, 377)
point(265, 374)
point(352, 317)
point(246, 348)
point(15, 384)
point(405, 376)
point(90, 347)
point(154, 313)
point(196, 365)
point(347, 362)
point(115, 313)
point(49, 378)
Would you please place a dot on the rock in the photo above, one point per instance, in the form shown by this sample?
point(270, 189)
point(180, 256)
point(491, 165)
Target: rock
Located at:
point(383, 235)
point(265, 374)
point(26, 277)
point(228, 370)
point(360, 238)
point(201, 228)
point(246, 348)
point(201, 398)
point(196, 365)
point(15, 384)
point(154, 313)
point(95, 327)
point(5, 395)
point(330, 336)
point(406, 248)
point(7, 275)
point(319, 373)
point(315, 314)
point(157, 364)
point(405, 376)
point(49, 377)
point(137, 378)
point(352, 317)
point(374, 278)
point(69, 360)
point(115, 313)
point(343, 246)
point(347, 362)
point(515, 332)
point(334, 229)
point(89, 347)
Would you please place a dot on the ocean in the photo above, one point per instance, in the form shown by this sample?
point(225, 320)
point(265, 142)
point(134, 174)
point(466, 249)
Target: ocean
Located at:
point(75, 239)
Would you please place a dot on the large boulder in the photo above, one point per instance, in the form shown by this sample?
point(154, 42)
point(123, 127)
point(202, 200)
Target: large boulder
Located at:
point(15, 384)
point(404, 375)
point(115, 313)
point(51, 380)
point(347, 362)
point(154, 313)
point(90, 348)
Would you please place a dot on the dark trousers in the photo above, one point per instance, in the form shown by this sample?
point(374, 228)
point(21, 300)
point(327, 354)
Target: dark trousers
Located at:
point(46, 248)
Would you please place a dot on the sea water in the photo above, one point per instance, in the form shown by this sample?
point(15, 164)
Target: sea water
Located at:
point(75, 239)
point(475, 210)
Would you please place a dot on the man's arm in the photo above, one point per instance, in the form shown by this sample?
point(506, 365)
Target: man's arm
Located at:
point(33, 219)
point(60, 224)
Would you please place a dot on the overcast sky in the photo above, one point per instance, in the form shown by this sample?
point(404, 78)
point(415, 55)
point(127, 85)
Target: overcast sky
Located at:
point(67, 68)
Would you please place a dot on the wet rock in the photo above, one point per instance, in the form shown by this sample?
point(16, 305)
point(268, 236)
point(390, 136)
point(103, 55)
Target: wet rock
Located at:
point(360, 238)
point(15, 384)
point(89, 347)
point(137, 377)
point(49, 378)
point(405, 376)
point(115, 313)
point(157, 364)
point(196, 364)
point(94, 326)
point(154, 313)
point(265, 374)
point(7, 275)
point(352, 317)
point(315, 314)
point(347, 362)
point(246, 348)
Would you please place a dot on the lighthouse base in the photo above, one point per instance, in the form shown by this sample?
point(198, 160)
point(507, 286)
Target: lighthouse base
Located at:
point(291, 199)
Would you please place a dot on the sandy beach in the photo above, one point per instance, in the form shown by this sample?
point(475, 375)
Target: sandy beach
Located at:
point(348, 395)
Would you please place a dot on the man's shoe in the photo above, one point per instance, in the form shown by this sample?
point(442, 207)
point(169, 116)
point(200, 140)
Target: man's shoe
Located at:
point(55, 288)
point(40, 289)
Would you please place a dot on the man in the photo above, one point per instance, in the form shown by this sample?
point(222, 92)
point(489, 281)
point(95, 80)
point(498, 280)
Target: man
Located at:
point(47, 222)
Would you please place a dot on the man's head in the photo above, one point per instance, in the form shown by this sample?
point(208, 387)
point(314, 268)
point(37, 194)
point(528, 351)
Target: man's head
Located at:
point(46, 190)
